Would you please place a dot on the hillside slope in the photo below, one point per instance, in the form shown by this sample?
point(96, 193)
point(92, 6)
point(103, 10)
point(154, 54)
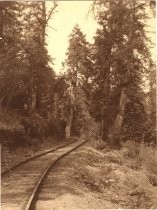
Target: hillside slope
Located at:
point(93, 179)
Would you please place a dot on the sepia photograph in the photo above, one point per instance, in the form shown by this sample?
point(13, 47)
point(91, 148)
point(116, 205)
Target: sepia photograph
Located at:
point(78, 104)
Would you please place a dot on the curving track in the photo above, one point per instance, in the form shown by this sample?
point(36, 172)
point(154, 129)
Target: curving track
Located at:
point(20, 187)
point(32, 158)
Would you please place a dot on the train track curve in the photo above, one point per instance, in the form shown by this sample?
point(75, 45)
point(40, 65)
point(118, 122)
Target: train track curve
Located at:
point(20, 187)
point(34, 157)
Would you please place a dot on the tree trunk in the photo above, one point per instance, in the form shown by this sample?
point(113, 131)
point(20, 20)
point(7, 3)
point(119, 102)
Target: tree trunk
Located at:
point(102, 124)
point(8, 101)
point(114, 136)
point(43, 26)
point(1, 100)
point(1, 19)
point(32, 96)
point(68, 127)
point(105, 111)
point(107, 86)
point(73, 129)
point(33, 102)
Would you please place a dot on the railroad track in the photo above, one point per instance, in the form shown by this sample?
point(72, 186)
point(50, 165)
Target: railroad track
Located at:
point(32, 158)
point(21, 186)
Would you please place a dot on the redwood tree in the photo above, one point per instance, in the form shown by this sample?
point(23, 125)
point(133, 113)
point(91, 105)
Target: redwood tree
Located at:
point(121, 58)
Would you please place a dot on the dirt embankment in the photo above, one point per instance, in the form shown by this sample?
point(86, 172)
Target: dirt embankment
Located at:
point(93, 179)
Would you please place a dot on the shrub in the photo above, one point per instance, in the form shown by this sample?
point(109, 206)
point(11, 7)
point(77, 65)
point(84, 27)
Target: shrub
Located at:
point(134, 122)
point(133, 149)
point(145, 155)
point(14, 138)
point(35, 126)
point(56, 127)
point(38, 127)
point(19, 138)
point(148, 156)
point(150, 132)
point(9, 119)
point(99, 144)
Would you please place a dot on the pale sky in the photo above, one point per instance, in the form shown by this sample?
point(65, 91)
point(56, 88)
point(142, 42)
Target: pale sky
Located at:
point(68, 14)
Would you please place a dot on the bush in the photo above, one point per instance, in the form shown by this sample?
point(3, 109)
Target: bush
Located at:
point(99, 144)
point(56, 127)
point(35, 126)
point(14, 137)
point(19, 138)
point(150, 132)
point(137, 124)
point(144, 154)
point(38, 127)
point(9, 119)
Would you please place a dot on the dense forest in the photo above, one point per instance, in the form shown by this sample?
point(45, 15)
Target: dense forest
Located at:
point(108, 90)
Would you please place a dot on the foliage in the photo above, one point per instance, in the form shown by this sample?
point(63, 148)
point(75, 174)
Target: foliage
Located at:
point(79, 66)
point(56, 128)
point(96, 73)
point(134, 121)
point(35, 126)
point(24, 58)
point(11, 59)
point(27, 82)
point(144, 154)
point(136, 124)
point(121, 57)
point(11, 131)
point(61, 99)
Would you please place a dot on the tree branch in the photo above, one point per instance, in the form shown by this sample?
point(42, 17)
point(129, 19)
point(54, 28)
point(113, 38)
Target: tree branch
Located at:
point(52, 28)
point(52, 9)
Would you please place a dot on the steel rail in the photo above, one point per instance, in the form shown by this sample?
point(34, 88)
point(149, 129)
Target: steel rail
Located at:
point(34, 157)
point(33, 198)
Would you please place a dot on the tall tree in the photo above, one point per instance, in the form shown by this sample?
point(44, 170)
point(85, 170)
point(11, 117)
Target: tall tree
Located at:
point(36, 21)
point(26, 77)
point(121, 57)
point(11, 59)
point(78, 64)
